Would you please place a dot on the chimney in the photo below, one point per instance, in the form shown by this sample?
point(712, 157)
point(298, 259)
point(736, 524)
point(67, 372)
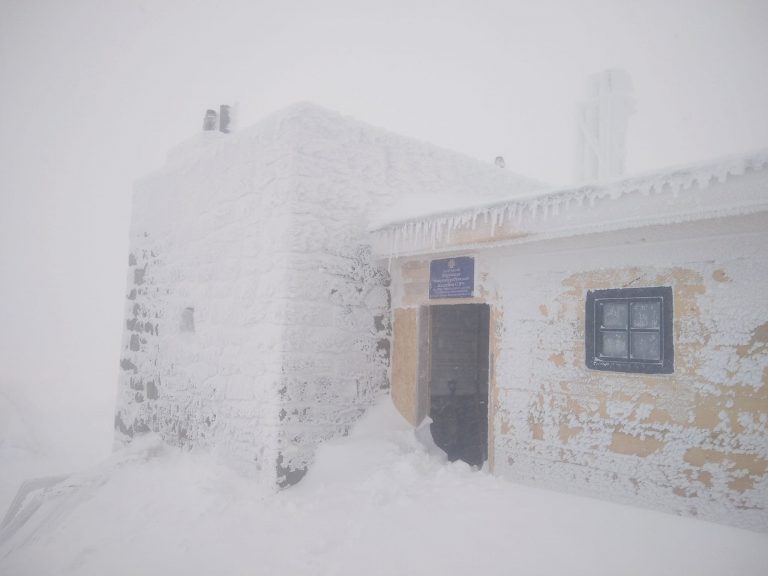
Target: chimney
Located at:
point(210, 121)
point(499, 161)
point(222, 121)
point(225, 118)
point(601, 129)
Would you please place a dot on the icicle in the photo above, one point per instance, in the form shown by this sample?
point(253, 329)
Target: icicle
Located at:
point(677, 184)
point(433, 234)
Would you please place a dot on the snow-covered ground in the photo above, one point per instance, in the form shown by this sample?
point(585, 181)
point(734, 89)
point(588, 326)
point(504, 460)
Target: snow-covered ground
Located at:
point(376, 502)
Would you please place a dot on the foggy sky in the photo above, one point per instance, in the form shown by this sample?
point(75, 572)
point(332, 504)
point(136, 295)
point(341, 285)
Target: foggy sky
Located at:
point(94, 92)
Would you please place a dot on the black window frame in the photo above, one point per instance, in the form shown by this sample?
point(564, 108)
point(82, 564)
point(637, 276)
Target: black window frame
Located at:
point(594, 329)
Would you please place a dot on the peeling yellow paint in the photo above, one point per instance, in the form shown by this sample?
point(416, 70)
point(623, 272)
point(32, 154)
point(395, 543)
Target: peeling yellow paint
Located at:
point(566, 432)
point(622, 443)
point(730, 403)
point(602, 407)
point(701, 476)
point(705, 478)
point(720, 276)
point(574, 407)
point(684, 492)
point(741, 484)
point(751, 463)
point(660, 416)
point(758, 343)
point(537, 430)
point(558, 359)
point(707, 412)
point(404, 362)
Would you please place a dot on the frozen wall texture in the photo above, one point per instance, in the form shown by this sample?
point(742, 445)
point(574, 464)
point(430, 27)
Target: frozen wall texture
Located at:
point(693, 442)
point(256, 323)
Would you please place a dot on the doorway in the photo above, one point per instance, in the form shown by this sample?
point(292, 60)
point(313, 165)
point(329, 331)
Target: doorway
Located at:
point(458, 380)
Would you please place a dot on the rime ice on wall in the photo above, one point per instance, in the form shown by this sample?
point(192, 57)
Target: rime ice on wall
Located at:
point(256, 322)
point(694, 442)
point(683, 194)
point(201, 236)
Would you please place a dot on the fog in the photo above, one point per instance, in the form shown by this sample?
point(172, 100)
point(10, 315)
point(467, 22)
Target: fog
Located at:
point(94, 92)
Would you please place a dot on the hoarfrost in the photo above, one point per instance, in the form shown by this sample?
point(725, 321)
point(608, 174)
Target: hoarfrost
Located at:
point(435, 229)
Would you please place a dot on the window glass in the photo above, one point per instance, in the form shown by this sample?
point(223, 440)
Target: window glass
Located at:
point(645, 314)
point(630, 330)
point(645, 346)
point(614, 345)
point(614, 314)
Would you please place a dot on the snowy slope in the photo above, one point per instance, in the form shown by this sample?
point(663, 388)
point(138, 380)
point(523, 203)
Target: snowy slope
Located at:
point(376, 502)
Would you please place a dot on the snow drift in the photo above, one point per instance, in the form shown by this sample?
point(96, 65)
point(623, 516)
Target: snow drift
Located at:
point(376, 502)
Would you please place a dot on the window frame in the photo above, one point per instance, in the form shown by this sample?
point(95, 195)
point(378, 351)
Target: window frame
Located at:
point(594, 330)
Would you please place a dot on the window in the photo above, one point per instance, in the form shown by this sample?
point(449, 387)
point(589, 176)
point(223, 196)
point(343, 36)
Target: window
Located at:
point(187, 323)
point(630, 330)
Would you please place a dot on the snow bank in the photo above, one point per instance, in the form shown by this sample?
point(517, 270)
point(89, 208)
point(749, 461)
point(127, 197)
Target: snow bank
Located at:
point(376, 502)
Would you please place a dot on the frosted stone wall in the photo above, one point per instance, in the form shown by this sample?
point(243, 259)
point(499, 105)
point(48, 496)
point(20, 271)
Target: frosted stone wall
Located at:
point(202, 351)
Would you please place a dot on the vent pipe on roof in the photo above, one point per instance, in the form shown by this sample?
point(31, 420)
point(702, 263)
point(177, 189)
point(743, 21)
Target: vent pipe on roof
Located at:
point(225, 118)
point(210, 120)
point(222, 121)
point(603, 117)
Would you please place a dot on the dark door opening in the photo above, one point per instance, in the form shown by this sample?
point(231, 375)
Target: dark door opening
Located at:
point(458, 382)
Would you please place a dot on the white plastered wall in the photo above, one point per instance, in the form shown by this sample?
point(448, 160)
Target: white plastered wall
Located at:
point(692, 442)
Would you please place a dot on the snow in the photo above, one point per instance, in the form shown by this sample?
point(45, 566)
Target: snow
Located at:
point(673, 195)
point(376, 502)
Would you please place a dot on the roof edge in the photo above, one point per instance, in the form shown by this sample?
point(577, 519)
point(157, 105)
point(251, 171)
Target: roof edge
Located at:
point(671, 179)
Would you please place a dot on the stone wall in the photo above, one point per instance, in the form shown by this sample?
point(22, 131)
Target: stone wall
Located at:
point(202, 351)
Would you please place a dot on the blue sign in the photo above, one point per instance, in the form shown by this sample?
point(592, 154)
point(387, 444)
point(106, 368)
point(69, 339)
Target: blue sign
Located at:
point(452, 277)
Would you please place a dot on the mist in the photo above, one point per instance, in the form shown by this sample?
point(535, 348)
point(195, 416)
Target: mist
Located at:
point(93, 93)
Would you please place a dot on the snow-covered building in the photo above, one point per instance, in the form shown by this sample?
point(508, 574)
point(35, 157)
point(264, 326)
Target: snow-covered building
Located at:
point(257, 322)
point(608, 339)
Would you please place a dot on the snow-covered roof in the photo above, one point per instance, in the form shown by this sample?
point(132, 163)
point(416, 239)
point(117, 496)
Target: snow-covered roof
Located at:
point(418, 174)
point(675, 194)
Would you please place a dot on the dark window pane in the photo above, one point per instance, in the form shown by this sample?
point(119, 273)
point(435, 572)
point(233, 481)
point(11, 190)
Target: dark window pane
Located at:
point(614, 314)
point(613, 345)
point(645, 314)
point(645, 346)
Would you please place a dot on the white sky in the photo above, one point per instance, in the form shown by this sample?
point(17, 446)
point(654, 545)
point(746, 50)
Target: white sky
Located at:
point(93, 93)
